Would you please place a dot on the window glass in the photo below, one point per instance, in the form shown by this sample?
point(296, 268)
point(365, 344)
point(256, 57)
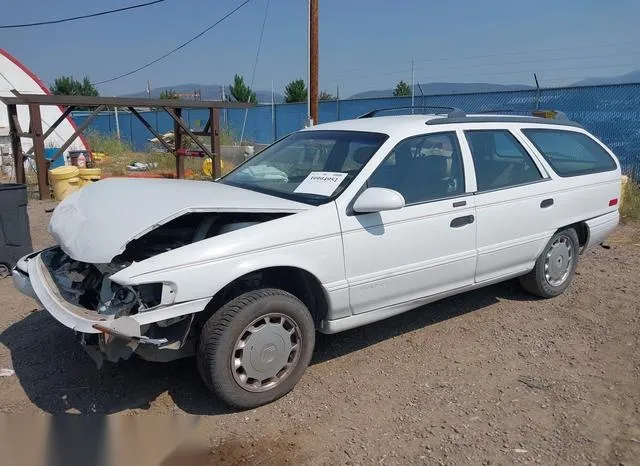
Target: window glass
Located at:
point(570, 153)
point(499, 160)
point(423, 168)
point(288, 168)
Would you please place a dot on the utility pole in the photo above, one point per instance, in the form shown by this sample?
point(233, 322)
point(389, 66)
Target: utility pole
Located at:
point(413, 86)
point(313, 62)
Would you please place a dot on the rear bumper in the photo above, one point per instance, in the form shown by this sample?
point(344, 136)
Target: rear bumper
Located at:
point(601, 227)
point(32, 278)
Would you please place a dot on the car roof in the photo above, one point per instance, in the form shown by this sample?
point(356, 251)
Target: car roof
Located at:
point(420, 123)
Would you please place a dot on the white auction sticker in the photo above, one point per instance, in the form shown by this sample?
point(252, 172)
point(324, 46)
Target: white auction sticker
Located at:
point(321, 183)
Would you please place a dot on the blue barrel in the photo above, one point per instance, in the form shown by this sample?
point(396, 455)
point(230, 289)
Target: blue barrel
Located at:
point(49, 152)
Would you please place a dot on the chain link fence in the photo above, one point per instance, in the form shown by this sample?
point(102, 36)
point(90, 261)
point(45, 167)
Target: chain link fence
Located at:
point(611, 112)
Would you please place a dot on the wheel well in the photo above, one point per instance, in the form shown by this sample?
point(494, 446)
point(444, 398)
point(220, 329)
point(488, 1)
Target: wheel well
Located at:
point(581, 229)
point(300, 283)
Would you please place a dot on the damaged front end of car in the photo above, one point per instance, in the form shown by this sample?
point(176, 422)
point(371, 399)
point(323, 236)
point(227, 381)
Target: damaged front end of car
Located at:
point(116, 320)
point(115, 310)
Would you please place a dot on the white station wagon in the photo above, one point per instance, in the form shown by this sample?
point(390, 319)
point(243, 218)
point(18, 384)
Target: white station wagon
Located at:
point(329, 228)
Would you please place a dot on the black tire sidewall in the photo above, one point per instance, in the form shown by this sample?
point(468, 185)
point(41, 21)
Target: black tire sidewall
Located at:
point(218, 364)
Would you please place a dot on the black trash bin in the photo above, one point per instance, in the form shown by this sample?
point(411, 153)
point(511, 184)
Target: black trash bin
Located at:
point(15, 238)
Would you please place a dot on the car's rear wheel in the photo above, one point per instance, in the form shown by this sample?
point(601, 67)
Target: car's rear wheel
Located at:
point(555, 267)
point(255, 348)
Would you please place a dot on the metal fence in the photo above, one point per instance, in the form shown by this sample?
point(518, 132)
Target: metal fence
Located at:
point(611, 112)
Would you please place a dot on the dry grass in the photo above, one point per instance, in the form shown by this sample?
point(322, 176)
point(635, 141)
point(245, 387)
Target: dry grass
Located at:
point(120, 154)
point(630, 208)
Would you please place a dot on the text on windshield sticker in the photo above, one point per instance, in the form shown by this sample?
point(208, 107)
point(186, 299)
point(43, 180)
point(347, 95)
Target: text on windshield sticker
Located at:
point(321, 183)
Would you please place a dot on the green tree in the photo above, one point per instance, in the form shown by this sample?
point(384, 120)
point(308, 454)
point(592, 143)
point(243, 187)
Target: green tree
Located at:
point(296, 91)
point(169, 94)
point(240, 92)
point(67, 85)
point(324, 95)
point(402, 90)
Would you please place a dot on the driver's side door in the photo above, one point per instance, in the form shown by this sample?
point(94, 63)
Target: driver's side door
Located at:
point(423, 249)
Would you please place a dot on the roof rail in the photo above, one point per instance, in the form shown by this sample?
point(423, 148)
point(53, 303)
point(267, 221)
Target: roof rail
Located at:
point(549, 114)
point(453, 112)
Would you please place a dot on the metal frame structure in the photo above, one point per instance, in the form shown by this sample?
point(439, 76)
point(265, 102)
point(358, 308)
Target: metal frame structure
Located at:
point(172, 106)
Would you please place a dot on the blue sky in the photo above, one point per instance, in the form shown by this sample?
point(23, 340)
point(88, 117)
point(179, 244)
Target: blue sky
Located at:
point(364, 44)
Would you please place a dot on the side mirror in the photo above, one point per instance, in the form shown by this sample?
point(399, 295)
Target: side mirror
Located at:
point(378, 200)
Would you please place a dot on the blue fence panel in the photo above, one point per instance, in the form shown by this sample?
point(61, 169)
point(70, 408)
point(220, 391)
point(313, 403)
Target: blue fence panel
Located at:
point(611, 112)
point(290, 118)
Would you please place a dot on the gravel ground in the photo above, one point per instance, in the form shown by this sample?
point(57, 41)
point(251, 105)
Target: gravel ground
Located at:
point(493, 376)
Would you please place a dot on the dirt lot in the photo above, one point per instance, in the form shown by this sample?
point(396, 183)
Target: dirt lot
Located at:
point(491, 376)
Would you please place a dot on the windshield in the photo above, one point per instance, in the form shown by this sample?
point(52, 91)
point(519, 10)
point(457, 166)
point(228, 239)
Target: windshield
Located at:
point(308, 166)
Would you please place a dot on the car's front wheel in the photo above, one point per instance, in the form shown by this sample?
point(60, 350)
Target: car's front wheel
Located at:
point(555, 267)
point(256, 347)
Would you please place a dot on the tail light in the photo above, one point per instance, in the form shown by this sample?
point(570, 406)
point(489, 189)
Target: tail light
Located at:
point(613, 202)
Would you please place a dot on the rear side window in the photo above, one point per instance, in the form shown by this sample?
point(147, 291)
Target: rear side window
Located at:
point(570, 153)
point(499, 160)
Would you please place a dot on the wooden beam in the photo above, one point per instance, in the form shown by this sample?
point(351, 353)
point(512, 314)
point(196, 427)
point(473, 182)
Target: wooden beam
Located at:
point(55, 124)
point(38, 144)
point(90, 101)
point(78, 130)
point(151, 130)
point(176, 114)
point(16, 144)
point(214, 119)
point(178, 121)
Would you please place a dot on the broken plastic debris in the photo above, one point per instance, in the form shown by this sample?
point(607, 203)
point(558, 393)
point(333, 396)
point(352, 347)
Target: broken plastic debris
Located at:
point(520, 450)
point(7, 372)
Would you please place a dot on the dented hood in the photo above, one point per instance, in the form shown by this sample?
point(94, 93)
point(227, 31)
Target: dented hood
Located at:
point(96, 223)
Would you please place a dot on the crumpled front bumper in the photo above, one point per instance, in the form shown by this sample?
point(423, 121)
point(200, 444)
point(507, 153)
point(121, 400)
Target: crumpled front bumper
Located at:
point(32, 278)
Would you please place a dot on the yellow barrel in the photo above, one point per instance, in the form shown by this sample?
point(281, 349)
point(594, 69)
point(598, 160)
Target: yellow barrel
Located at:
point(64, 181)
point(207, 167)
point(89, 175)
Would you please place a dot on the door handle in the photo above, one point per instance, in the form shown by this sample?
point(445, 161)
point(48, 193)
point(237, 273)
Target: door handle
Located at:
point(546, 203)
point(459, 203)
point(462, 221)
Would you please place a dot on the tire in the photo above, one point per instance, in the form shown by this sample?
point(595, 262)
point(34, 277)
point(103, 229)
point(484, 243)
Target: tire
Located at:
point(551, 275)
point(249, 338)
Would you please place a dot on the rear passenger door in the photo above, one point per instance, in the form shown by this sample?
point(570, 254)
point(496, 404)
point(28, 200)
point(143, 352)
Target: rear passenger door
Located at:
point(514, 209)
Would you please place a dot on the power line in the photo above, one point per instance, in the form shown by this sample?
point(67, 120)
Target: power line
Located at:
point(255, 66)
point(524, 52)
point(482, 65)
point(181, 46)
point(74, 18)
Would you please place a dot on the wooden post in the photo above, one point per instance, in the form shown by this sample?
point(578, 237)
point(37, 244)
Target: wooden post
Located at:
point(313, 58)
point(214, 118)
point(55, 124)
point(38, 145)
point(16, 144)
point(177, 138)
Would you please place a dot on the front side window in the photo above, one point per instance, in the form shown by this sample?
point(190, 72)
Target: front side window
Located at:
point(308, 166)
point(570, 153)
point(499, 160)
point(423, 168)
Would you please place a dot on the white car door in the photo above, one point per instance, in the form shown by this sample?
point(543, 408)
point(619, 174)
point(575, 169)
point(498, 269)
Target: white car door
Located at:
point(423, 249)
point(514, 205)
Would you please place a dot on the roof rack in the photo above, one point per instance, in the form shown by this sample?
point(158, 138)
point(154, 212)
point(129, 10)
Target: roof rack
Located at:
point(501, 119)
point(453, 112)
point(549, 114)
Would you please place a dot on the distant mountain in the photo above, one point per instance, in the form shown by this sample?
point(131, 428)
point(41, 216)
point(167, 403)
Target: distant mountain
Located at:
point(446, 88)
point(632, 77)
point(207, 92)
